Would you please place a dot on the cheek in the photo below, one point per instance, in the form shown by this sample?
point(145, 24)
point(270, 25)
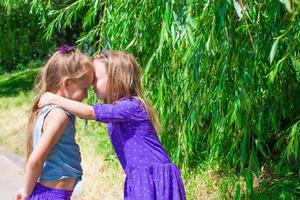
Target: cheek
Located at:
point(84, 93)
point(80, 93)
point(104, 86)
point(101, 85)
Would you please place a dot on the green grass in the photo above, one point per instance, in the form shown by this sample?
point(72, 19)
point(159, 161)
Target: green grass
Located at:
point(13, 83)
point(15, 98)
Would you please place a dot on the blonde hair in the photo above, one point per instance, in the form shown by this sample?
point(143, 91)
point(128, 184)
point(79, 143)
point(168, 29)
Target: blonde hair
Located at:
point(123, 74)
point(72, 64)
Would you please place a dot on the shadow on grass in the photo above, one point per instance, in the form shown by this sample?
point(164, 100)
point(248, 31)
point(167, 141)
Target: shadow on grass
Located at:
point(287, 188)
point(13, 83)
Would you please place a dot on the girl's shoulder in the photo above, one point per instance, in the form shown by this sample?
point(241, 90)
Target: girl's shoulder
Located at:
point(129, 99)
point(55, 109)
point(130, 102)
point(132, 105)
point(56, 115)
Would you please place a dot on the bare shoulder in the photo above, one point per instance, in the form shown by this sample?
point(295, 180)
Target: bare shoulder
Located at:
point(56, 117)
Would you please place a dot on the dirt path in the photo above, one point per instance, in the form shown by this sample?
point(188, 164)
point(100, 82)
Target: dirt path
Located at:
point(12, 173)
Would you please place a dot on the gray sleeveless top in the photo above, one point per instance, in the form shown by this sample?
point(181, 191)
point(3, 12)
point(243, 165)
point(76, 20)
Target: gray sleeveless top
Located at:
point(64, 159)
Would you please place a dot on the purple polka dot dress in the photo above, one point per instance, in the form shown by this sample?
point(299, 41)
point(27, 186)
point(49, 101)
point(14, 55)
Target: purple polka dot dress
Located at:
point(150, 174)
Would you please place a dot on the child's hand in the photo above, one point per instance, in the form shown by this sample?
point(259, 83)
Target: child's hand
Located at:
point(46, 99)
point(21, 196)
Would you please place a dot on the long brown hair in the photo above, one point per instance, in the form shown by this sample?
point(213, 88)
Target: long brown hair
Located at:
point(72, 64)
point(123, 73)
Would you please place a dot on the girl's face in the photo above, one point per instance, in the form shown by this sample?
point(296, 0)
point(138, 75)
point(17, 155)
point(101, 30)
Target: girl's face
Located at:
point(101, 78)
point(78, 90)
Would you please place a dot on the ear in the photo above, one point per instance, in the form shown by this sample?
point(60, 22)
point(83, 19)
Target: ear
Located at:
point(66, 82)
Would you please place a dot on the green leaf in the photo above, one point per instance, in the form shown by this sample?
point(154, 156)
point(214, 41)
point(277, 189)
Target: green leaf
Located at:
point(253, 162)
point(249, 184)
point(130, 44)
point(260, 148)
point(238, 192)
point(273, 50)
point(244, 149)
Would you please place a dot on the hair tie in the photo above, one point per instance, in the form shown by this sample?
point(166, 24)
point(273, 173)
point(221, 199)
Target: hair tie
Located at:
point(66, 48)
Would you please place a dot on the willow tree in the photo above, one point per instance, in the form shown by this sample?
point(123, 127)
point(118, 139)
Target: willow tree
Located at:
point(223, 75)
point(21, 37)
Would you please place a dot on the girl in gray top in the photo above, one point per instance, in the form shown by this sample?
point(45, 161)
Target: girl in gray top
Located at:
point(53, 157)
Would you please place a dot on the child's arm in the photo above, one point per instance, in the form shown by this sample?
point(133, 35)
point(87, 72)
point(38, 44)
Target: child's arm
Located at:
point(53, 128)
point(76, 108)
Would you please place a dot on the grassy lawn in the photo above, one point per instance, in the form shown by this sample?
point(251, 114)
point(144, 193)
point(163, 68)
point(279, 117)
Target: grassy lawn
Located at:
point(15, 98)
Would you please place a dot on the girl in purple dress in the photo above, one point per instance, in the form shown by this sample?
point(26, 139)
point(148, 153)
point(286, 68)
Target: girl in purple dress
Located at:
point(132, 126)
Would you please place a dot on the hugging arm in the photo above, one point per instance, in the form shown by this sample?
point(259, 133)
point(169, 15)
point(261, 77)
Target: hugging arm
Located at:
point(79, 109)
